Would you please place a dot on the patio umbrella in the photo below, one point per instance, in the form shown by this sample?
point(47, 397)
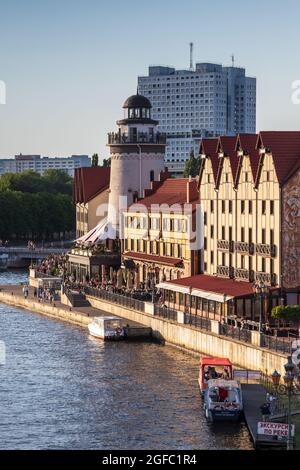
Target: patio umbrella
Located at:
point(111, 274)
point(137, 279)
point(103, 275)
point(129, 281)
point(119, 279)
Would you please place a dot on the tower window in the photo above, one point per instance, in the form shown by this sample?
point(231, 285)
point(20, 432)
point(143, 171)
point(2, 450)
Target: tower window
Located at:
point(152, 175)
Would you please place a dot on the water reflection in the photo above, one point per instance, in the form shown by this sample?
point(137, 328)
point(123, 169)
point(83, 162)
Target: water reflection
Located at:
point(62, 389)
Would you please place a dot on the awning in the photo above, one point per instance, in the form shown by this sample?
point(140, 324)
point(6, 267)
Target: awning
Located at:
point(173, 287)
point(211, 296)
point(194, 292)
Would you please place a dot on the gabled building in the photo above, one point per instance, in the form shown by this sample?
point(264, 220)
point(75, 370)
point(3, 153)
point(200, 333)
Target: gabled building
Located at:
point(249, 188)
point(158, 243)
point(91, 187)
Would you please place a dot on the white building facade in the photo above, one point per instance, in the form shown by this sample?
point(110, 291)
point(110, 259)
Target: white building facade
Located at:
point(208, 101)
point(41, 164)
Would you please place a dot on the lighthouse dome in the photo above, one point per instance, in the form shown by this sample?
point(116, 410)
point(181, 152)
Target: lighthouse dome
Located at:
point(137, 101)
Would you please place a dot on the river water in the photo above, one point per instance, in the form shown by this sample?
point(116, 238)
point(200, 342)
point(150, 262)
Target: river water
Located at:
point(61, 389)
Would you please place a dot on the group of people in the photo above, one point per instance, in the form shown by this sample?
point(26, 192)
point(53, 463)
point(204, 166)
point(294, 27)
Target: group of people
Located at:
point(31, 245)
point(53, 265)
point(211, 373)
point(44, 294)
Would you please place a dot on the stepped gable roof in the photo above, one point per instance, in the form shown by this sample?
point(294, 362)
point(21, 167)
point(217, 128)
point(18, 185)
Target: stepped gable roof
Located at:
point(171, 191)
point(89, 182)
point(247, 143)
point(285, 149)
point(208, 147)
point(227, 145)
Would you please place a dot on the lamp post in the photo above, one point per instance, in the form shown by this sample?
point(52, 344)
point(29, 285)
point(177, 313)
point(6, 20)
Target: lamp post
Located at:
point(289, 381)
point(261, 292)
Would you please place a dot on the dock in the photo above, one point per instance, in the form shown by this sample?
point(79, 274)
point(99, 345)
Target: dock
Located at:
point(79, 315)
point(254, 395)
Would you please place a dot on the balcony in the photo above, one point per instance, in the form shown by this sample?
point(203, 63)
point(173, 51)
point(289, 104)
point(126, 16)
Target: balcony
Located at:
point(266, 278)
point(139, 138)
point(224, 271)
point(266, 250)
point(242, 247)
point(224, 245)
point(243, 275)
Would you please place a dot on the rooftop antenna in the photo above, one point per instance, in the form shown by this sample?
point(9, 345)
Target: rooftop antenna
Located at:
point(191, 56)
point(233, 60)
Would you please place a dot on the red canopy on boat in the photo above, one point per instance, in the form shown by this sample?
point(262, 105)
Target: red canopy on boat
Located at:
point(215, 361)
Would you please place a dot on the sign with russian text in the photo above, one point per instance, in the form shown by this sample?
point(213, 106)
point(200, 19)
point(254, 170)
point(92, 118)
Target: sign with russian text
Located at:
point(267, 428)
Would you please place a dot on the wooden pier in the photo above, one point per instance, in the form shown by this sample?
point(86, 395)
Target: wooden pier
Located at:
point(254, 395)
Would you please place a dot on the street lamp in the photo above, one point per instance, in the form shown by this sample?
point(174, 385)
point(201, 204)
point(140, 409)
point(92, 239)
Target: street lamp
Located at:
point(289, 381)
point(261, 291)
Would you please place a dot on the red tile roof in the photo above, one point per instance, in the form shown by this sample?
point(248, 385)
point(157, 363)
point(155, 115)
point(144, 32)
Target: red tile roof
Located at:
point(285, 149)
point(89, 182)
point(215, 285)
point(171, 191)
point(247, 143)
point(208, 147)
point(167, 260)
point(227, 145)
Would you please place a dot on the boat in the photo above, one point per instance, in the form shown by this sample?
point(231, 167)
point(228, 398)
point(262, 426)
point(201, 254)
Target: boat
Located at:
point(3, 262)
point(213, 368)
point(107, 328)
point(223, 400)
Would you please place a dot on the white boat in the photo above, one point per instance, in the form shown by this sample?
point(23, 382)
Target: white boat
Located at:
point(3, 261)
point(223, 400)
point(107, 328)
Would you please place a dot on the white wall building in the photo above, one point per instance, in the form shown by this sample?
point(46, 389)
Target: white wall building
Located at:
point(41, 164)
point(189, 104)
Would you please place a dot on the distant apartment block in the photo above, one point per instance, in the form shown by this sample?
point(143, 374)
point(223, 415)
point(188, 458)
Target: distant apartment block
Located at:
point(41, 164)
point(209, 101)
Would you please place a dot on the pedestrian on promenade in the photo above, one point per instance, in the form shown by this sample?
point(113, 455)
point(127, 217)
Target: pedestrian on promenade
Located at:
point(265, 411)
point(35, 293)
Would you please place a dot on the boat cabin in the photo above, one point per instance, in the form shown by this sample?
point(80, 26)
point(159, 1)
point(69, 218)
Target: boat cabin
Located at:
point(212, 368)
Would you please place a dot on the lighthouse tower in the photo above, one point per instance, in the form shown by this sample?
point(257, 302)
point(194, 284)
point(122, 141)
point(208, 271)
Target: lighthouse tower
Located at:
point(137, 156)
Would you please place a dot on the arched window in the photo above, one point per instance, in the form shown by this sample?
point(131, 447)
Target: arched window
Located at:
point(152, 175)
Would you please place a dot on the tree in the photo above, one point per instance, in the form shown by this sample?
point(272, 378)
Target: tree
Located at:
point(106, 162)
point(95, 159)
point(289, 313)
point(192, 166)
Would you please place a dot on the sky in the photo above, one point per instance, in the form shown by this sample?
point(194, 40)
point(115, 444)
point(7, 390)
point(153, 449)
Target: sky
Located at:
point(68, 65)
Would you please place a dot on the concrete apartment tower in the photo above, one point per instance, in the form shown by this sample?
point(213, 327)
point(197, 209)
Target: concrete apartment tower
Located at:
point(137, 156)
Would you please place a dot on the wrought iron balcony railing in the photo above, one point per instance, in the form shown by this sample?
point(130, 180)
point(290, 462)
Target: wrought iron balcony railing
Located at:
point(266, 278)
point(243, 275)
point(225, 245)
point(242, 247)
point(266, 250)
point(139, 138)
point(224, 271)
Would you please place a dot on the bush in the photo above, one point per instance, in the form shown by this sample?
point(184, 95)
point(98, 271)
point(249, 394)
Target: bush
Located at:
point(290, 312)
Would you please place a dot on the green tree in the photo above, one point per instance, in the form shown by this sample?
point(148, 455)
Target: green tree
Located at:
point(192, 166)
point(289, 312)
point(106, 162)
point(95, 159)
point(57, 181)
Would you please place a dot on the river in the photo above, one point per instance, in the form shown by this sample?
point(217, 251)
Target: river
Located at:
point(61, 389)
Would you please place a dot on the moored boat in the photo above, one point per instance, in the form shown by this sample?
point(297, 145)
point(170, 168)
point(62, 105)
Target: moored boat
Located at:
point(214, 368)
point(107, 328)
point(3, 261)
point(223, 400)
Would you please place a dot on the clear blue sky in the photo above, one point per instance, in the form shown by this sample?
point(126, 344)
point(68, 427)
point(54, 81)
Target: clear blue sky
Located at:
point(69, 64)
